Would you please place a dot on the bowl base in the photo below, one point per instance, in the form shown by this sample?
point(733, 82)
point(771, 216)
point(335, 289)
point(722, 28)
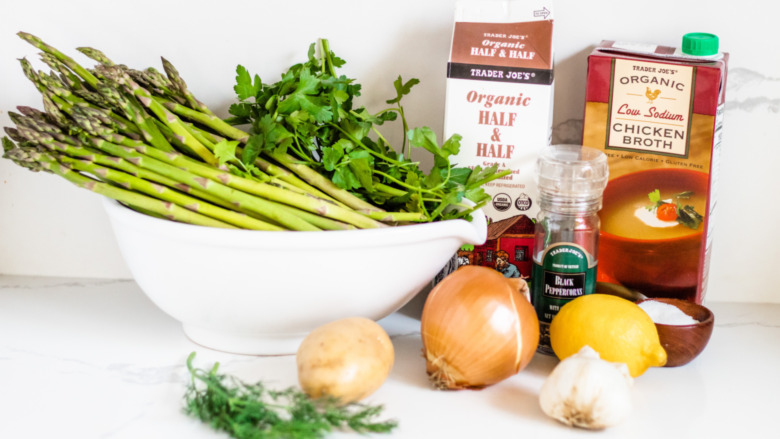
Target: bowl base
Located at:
point(248, 343)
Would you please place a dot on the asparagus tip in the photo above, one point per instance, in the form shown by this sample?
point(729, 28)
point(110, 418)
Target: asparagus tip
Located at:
point(96, 55)
point(14, 134)
point(26, 36)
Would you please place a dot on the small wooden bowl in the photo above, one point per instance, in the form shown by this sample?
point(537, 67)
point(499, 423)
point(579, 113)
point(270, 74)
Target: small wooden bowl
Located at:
point(683, 343)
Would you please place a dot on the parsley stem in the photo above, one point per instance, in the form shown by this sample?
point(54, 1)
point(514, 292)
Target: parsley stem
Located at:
point(498, 175)
point(382, 138)
point(406, 129)
point(326, 59)
point(362, 145)
point(300, 152)
point(377, 115)
point(408, 186)
point(389, 190)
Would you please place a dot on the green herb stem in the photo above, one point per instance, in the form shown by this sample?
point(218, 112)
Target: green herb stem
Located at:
point(431, 191)
point(250, 411)
point(389, 190)
point(327, 60)
point(362, 145)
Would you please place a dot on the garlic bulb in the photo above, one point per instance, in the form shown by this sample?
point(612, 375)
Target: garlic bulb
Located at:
point(585, 391)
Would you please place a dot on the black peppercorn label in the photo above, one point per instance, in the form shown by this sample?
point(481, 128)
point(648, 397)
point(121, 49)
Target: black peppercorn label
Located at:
point(566, 271)
point(563, 285)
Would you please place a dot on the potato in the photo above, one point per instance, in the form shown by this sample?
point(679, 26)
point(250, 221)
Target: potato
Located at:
point(347, 359)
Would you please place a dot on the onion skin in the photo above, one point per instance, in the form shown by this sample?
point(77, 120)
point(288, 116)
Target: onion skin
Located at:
point(347, 359)
point(478, 328)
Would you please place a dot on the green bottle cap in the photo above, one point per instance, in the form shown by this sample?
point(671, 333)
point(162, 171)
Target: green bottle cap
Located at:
point(700, 44)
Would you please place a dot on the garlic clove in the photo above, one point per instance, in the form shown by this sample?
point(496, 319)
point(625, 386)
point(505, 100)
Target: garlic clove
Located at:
point(587, 392)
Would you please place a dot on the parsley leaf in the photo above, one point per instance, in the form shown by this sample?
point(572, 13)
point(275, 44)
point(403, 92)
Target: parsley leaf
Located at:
point(225, 151)
point(345, 178)
point(460, 176)
point(245, 88)
point(655, 199)
point(311, 114)
point(241, 110)
point(402, 89)
point(252, 148)
point(425, 138)
point(360, 163)
point(304, 97)
point(332, 156)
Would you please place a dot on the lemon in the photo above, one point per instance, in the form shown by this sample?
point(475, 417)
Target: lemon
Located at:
point(618, 329)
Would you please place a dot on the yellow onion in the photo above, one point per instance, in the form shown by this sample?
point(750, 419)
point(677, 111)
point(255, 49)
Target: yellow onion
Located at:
point(478, 328)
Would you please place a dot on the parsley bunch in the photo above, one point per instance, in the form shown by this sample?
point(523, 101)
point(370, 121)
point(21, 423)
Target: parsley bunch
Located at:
point(310, 117)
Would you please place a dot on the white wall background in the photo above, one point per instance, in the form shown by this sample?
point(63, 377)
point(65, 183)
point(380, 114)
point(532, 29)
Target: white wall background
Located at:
point(48, 227)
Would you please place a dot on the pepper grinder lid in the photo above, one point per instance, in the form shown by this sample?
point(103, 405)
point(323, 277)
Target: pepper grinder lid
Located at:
point(572, 172)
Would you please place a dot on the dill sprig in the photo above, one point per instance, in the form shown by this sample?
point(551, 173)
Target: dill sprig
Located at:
point(252, 411)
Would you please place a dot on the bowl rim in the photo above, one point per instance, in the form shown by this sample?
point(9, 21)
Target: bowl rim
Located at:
point(696, 236)
point(471, 232)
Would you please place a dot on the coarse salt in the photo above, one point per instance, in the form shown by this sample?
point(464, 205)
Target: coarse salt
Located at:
point(666, 314)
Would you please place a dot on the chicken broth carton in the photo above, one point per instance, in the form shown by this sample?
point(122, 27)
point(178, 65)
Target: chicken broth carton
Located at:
point(657, 113)
point(499, 98)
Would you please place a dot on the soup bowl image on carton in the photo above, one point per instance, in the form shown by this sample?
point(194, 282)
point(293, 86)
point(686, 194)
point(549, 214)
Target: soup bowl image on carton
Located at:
point(637, 250)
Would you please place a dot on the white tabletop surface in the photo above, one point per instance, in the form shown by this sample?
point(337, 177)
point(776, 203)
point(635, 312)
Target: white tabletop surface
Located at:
point(96, 359)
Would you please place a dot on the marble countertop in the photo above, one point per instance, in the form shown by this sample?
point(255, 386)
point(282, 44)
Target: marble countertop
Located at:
point(87, 358)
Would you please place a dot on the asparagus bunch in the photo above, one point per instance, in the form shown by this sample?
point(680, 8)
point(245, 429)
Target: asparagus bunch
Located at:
point(141, 137)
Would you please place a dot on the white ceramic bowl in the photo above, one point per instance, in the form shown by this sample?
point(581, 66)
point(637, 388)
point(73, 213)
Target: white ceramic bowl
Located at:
point(257, 292)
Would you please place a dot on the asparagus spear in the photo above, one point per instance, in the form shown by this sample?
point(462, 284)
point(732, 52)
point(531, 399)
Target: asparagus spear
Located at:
point(308, 203)
point(160, 172)
point(96, 55)
point(164, 193)
point(88, 77)
point(181, 86)
point(301, 170)
point(204, 119)
point(92, 105)
point(46, 162)
point(136, 114)
point(77, 96)
point(30, 127)
point(173, 122)
point(264, 190)
point(240, 199)
point(314, 178)
point(213, 122)
point(28, 131)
